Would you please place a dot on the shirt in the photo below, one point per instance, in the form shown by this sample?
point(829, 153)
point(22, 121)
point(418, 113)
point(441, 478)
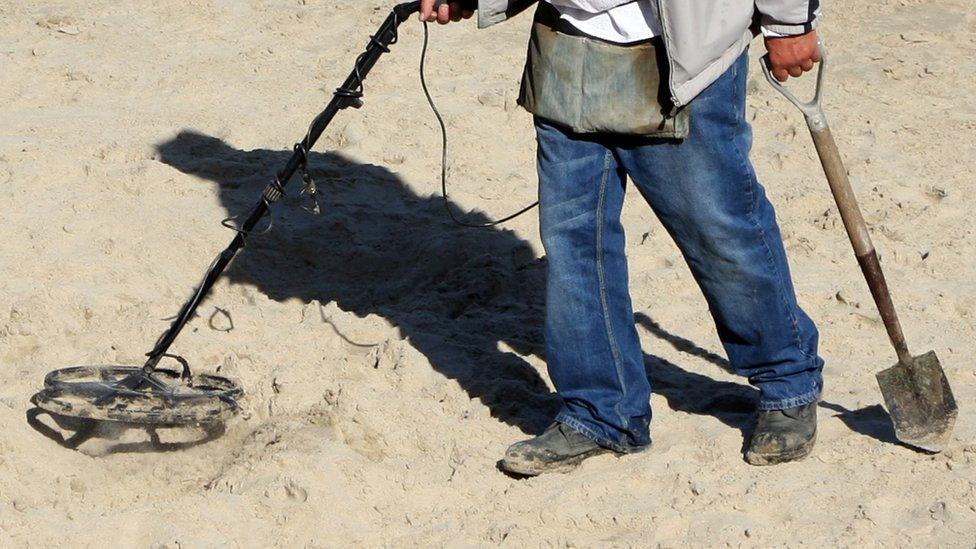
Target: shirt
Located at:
point(624, 24)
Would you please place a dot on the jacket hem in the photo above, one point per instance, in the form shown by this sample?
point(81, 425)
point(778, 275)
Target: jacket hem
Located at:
point(687, 91)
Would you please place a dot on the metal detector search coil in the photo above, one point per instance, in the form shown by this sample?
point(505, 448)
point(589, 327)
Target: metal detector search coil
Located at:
point(127, 394)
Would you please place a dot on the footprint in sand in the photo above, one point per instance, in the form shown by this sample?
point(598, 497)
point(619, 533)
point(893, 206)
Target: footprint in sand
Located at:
point(287, 491)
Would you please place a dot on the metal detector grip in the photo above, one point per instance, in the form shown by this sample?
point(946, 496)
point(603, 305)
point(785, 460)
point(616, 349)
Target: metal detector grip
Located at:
point(850, 213)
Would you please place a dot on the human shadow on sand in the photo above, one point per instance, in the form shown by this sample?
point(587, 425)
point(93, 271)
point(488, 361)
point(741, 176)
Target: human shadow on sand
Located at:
point(455, 293)
point(377, 247)
point(458, 295)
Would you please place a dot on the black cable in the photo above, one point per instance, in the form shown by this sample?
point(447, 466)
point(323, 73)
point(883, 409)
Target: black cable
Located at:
point(440, 121)
point(354, 96)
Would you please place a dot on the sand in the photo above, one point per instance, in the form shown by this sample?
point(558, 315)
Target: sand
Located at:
point(389, 357)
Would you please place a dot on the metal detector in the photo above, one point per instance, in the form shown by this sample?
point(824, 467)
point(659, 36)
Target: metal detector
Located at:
point(155, 396)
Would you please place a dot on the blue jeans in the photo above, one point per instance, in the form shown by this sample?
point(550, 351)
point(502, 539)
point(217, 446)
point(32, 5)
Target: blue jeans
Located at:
point(705, 192)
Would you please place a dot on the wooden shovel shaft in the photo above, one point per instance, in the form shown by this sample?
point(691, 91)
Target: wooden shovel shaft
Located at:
point(857, 231)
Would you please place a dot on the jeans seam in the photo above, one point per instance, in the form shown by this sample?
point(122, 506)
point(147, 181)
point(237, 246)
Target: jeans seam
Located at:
point(601, 276)
point(753, 203)
point(779, 290)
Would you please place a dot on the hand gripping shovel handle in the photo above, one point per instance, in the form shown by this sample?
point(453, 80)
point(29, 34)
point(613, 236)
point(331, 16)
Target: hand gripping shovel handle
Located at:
point(840, 187)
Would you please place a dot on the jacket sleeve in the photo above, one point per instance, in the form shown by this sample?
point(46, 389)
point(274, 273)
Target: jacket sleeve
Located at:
point(492, 12)
point(788, 17)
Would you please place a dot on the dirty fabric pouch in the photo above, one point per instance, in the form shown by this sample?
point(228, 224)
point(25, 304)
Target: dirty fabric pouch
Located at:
point(589, 85)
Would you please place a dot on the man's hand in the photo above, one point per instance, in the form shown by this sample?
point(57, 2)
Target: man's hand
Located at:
point(445, 13)
point(791, 55)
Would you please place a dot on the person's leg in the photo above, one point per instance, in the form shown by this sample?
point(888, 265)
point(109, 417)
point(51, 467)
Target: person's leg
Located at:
point(706, 194)
point(592, 348)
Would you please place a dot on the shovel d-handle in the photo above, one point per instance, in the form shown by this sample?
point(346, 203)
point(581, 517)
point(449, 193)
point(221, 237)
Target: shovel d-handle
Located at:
point(850, 213)
point(347, 95)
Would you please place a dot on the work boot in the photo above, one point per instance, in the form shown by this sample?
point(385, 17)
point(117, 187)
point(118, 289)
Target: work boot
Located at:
point(783, 435)
point(559, 449)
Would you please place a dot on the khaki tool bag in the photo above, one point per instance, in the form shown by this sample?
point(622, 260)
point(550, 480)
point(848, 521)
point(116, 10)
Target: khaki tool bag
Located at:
point(593, 86)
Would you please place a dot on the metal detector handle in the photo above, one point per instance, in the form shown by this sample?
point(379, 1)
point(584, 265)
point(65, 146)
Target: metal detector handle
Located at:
point(850, 213)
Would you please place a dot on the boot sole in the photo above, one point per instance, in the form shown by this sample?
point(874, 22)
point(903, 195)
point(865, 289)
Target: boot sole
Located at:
point(795, 454)
point(536, 467)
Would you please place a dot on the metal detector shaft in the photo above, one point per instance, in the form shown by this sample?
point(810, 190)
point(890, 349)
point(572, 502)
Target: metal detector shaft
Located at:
point(345, 96)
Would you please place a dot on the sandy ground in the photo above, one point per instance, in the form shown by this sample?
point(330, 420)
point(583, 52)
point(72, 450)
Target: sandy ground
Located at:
point(390, 357)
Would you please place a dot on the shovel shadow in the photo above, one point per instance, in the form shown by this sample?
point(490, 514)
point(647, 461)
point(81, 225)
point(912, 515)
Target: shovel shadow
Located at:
point(732, 402)
point(871, 421)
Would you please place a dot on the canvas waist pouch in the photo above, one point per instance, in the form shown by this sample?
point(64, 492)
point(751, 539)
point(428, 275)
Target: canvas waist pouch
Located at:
point(589, 85)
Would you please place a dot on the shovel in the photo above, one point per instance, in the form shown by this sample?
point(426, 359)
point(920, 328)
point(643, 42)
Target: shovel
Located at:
point(915, 389)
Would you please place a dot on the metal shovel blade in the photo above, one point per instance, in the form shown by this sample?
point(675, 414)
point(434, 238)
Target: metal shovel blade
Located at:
point(920, 402)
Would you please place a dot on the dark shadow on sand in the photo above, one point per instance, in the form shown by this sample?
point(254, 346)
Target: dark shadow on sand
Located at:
point(72, 432)
point(379, 248)
point(871, 421)
point(731, 403)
